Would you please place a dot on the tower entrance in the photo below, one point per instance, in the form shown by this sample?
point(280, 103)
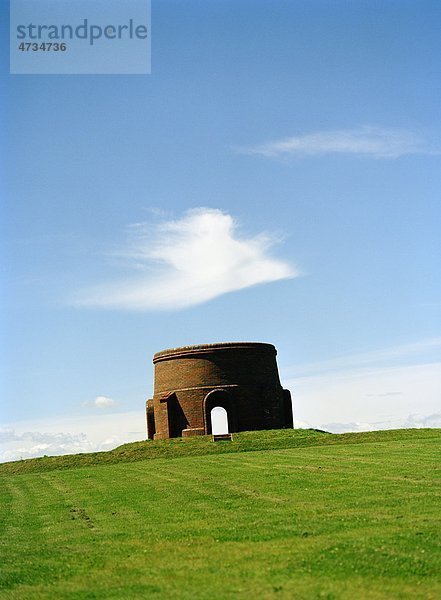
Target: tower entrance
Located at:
point(219, 413)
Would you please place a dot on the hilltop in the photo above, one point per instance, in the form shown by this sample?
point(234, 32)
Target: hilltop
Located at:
point(275, 514)
point(247, 441)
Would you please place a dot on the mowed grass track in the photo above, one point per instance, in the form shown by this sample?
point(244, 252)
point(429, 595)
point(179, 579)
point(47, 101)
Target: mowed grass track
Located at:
point(343, 520)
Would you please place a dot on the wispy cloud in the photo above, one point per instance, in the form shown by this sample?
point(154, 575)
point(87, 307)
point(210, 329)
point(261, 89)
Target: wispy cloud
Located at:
point(188, 261)
point(368, 141)
point(421, 351)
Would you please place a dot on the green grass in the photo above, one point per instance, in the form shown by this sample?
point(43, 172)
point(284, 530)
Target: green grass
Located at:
point(281, 514)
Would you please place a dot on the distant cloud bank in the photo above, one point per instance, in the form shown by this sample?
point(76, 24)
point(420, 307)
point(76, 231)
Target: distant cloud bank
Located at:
point(55, 436)
point(188, 261)
point(415, 421)
point(30, 444)
point(387, 388)
point(368, 141)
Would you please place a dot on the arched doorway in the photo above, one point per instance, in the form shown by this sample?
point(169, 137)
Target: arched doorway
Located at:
point(219, 420)
point(226, 416)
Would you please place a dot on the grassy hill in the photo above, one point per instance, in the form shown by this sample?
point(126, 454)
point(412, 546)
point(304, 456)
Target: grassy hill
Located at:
point(279, 514)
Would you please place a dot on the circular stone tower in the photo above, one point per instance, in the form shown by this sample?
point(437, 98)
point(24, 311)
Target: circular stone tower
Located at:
point(240, 377)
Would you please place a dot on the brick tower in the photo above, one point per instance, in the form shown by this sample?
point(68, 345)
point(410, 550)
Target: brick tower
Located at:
point(241, 377)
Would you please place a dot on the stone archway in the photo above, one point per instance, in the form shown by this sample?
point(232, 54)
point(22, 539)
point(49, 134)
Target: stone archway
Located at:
point(219, 399)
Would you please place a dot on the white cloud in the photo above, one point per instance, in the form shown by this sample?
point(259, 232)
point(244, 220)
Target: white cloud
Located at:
point(104, 402)
point(394, 387)
point(416, 421)
point(188, 261)
point(376, 142)
point(419, 420)
point(369, 398)
point(10, 435)
point(56, 436)
point(101, 402)
point(29, 444)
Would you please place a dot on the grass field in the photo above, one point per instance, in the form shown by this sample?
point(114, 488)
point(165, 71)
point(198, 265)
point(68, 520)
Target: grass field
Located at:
point(282, 514)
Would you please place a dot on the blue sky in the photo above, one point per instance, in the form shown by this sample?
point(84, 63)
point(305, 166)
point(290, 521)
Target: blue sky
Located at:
point(296, 147)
